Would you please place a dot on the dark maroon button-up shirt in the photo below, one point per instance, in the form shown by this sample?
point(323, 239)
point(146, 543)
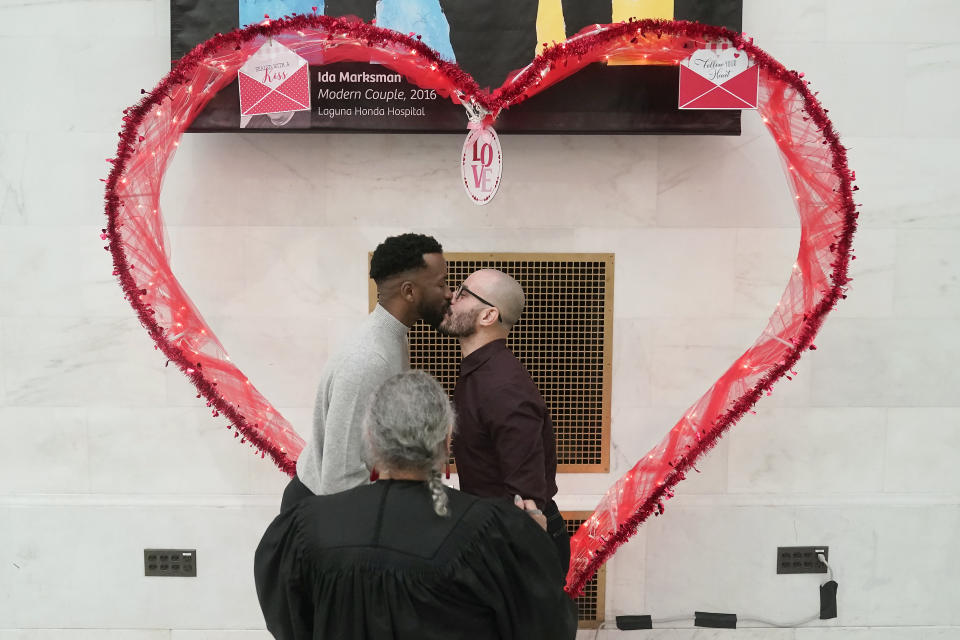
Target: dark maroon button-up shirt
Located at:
point(504, 443)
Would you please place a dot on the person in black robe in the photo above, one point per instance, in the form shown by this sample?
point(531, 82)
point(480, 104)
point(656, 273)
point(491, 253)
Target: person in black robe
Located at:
point(406, 557)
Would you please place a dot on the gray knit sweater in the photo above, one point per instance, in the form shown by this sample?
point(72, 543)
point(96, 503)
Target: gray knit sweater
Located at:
point(332, 460)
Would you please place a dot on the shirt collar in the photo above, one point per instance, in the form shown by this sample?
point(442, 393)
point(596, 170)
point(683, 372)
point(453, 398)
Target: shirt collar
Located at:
point(385, 319)
point(473, 361)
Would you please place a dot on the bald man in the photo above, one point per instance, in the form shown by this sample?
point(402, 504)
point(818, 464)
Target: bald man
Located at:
point(504, 443)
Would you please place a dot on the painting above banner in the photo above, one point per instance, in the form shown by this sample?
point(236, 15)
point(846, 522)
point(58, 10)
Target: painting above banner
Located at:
point(491, 40)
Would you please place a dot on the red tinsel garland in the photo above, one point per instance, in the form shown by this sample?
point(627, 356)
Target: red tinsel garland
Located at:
point(816, 168)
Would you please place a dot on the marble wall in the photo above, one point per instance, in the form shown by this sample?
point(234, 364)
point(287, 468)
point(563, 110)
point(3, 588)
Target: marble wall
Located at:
point(106, 452)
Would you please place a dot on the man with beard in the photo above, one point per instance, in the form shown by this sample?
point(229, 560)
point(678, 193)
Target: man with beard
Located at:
point(411, 277)
point(504, 444)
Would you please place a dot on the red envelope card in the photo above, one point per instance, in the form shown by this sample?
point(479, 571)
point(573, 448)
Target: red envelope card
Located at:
point(718, 79)
point(274, 80)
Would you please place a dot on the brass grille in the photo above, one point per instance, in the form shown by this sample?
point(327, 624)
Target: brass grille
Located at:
point(590, 605)
point(563, 338)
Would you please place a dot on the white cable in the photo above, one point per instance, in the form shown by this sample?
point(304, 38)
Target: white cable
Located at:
point(747, 618)
point(770, 623)
point(596, 634)
point(671, 619)
point(780, 625)
point(822, 559)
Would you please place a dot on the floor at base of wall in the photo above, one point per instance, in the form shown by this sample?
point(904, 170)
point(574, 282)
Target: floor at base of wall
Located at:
point(743, 633)
point(134, 634)
point(746, 633)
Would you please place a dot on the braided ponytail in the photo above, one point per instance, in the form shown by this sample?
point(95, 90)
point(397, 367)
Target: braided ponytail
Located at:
point(438, 493)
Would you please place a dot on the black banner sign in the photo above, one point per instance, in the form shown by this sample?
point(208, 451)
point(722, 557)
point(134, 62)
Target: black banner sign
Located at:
point(363, 97)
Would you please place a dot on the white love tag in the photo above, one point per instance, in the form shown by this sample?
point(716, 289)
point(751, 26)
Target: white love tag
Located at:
point(481, 164)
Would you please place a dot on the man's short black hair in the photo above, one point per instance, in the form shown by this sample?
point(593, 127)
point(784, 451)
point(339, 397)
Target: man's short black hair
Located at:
point(401, 253)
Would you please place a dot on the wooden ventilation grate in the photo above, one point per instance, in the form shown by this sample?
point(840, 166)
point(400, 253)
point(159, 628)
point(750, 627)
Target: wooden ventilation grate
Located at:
point(563, 338)
point(590, 605)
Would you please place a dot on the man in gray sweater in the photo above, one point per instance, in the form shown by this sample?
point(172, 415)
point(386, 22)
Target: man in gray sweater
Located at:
point(411, 278)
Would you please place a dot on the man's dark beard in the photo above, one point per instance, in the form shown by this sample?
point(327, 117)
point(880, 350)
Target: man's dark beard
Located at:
point(433, 316)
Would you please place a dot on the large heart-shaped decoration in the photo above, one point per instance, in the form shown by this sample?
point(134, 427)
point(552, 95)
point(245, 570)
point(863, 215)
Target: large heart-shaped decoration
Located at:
point(816, 170)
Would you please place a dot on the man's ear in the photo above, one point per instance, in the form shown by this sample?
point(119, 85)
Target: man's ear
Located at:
point(407, 290)
point(489, 316)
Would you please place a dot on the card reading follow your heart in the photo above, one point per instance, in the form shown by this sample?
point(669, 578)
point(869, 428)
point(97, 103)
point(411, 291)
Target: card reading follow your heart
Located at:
point(718, 79)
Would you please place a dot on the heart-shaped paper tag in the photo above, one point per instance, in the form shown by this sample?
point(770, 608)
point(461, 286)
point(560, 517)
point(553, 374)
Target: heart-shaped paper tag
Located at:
point(817, 173)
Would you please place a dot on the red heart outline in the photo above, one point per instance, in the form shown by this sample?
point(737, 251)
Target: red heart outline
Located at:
point(816, 168)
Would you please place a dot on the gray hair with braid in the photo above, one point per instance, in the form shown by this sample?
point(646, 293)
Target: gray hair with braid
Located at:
point(407, 427)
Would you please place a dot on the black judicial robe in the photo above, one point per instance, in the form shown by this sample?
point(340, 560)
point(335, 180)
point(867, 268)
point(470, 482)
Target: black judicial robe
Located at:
point(376, 562)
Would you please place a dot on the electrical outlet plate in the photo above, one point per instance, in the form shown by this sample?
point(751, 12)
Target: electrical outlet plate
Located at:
point(801, 559)
point(170, 562)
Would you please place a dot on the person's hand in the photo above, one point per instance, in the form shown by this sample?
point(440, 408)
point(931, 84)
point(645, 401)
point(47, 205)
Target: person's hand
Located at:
point(531, 509)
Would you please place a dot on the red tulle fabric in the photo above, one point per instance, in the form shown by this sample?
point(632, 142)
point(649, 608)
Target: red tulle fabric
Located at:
point(815, 166)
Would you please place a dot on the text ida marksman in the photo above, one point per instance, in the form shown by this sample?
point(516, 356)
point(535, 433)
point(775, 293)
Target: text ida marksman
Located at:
point(371, 93)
